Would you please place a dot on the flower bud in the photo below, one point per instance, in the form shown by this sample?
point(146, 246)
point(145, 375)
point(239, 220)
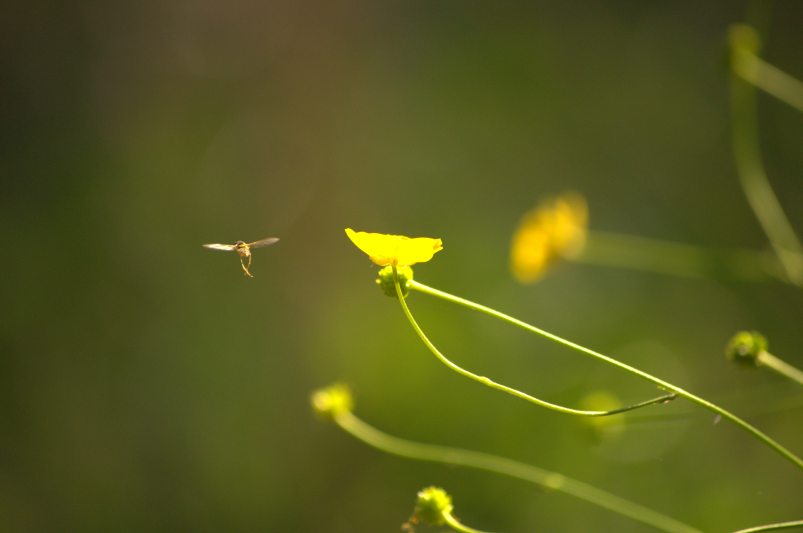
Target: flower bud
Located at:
point(387, 285)
point(332, 401)
point(432, 506)
point(744, 38)
point(744, 348)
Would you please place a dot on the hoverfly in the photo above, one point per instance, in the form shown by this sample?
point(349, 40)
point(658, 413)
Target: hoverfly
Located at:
point(243, 249)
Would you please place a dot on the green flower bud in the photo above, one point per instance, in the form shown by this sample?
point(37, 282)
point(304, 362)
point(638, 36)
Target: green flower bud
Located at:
point(332, 401)
point(601, 428)
point(744, 38)
point(432, 504)
point(744, 348)
point(387, 285)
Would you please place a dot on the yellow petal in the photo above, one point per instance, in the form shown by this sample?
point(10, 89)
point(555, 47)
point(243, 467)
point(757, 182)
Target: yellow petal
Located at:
point(570, 224)
point(419, 250)
point(555, 228)
point(394, 250)
point(531, 253)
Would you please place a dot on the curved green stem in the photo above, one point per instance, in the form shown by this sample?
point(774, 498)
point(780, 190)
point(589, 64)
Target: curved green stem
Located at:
point(652, 379)
point(751, 172)
point(500, 465)
point(770, 527)
point(509, 390)
point(455, 524)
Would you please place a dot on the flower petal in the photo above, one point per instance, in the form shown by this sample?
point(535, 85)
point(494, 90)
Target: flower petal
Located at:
point(555, 229)
point(394, 250)
point(412, 251)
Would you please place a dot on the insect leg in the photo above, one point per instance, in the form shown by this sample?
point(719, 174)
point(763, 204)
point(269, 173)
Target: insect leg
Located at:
point(244, 267)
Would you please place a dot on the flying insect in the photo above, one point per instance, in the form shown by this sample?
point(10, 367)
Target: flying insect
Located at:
point(243, 249)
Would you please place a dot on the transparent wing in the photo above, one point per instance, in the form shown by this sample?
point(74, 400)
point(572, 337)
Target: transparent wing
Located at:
point(219, 246)
point(263, 242)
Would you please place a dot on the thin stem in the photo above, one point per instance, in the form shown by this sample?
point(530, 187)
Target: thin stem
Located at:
point(455, 524)
point(768, 78)
point(769, 360)
point(754, 179)
point(500, 465)
point(770, 527)
point(678, 259)
point(509, 390)
point(652, 379)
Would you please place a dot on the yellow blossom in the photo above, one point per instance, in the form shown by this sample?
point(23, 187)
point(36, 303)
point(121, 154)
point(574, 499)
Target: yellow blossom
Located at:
point(394, 250)
point(332, 401)
point(555, 228)
point(603, 427)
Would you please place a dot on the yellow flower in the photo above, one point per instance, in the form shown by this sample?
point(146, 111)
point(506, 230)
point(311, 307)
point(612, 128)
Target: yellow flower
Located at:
point(394, 250)
point(555, 228)
point(332, 401)
point(603, 428)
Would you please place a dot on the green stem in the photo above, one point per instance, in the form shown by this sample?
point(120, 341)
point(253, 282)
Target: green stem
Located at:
point(769, 360)
point(677, 259)
point(662, 384)
point(754, 179)
point(770, 527)
point(455, 524)
point(509, 390)
point(500, 465)
point(768, 78)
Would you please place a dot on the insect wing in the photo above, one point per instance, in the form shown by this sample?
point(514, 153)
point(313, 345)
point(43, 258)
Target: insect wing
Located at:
point(219, 246)
point(263, 242)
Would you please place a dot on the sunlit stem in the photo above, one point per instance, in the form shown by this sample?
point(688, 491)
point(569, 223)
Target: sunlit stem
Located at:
point(500, 465)
point(677, 259)
point(514, 392)
point(652, 379)
point(754, 180)
point(456, 525)
point(768, 78)
point(769, 360)
point(771, 527)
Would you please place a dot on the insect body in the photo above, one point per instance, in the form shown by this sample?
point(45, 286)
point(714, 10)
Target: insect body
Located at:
point(243, 249)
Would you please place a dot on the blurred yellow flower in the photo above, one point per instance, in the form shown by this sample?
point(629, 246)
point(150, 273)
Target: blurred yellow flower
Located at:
point(554, 229)
point(395, 250)
point(332, 401)
point(603, 427)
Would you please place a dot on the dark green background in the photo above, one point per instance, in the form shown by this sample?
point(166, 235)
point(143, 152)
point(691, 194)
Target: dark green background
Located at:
point(146, 384)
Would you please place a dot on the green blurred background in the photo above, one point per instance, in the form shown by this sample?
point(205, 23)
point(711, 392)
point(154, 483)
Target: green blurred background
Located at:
point(146, 384)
